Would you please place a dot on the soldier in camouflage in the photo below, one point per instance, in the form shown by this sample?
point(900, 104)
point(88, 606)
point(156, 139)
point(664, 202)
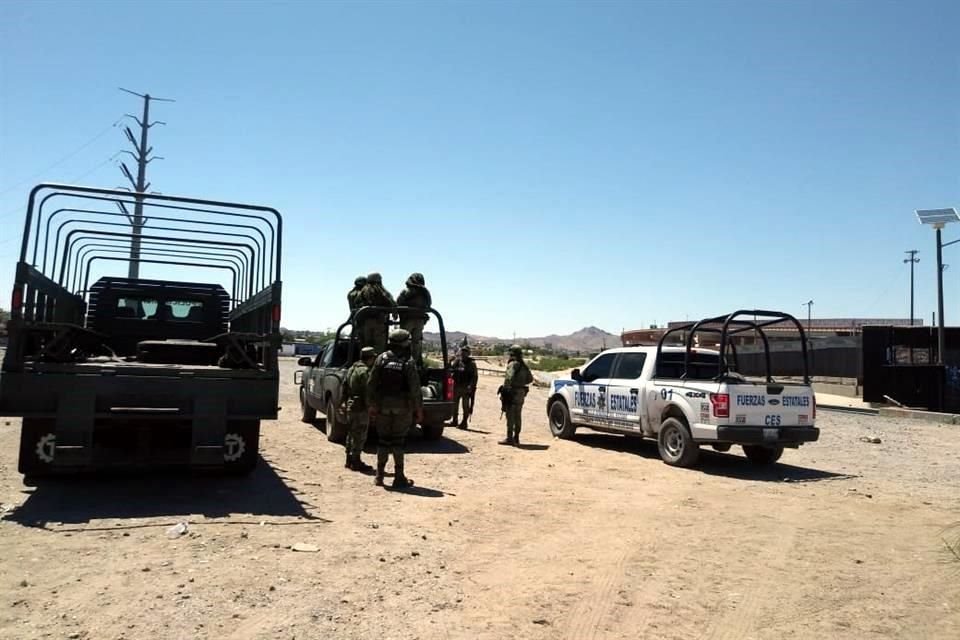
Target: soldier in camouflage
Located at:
point(355, 395)
point(415, 295)
point(395, 401)
point(515, 387)
point(465, 383)
point(353, 297)
point(373, 327)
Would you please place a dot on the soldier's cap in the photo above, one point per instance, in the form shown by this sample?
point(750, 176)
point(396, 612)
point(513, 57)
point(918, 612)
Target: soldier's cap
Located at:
point(399, 336)
point(374, 278)
point(464, 349)
point(360, 281)
point(367, 352)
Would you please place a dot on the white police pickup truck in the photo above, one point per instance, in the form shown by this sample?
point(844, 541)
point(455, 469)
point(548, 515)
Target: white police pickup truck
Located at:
point(687, 397)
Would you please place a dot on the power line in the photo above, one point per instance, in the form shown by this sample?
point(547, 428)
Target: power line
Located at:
point(56, 164)
point(74, 181)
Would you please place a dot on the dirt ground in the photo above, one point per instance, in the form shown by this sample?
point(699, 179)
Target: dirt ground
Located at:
point(589, 538)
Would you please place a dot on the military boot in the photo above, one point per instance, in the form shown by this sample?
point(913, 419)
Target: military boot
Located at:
point(400, 479)
point(349, 463)
point(382, 457)
point(508, 440)
point(516, 439)
point(360, 465)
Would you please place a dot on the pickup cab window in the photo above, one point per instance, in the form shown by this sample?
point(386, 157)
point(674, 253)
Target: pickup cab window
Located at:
point(629, 366)
point(703, 366)
point(599, 368)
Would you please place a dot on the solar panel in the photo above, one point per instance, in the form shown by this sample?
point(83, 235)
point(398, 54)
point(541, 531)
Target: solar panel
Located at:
point(937, 216)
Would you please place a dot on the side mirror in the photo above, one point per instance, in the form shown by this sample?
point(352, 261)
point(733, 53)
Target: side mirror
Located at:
point(575, 374)
point(305, 362)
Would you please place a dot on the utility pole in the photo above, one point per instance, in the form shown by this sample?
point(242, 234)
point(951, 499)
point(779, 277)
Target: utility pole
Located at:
point(913, 259)
point(140, 184)
point(809, 306)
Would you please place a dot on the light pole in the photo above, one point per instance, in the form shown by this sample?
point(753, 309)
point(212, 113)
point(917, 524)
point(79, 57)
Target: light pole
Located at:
point(913, 259)
point(938, 218)
point(809, 306)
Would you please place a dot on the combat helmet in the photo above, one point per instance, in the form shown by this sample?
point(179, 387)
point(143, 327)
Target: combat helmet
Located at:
point(399, 337)
point(516, 351)
point(374, 278)
point(359, 281)
point(416, 279)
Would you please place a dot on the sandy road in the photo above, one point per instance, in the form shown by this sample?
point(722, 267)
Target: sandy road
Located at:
point(590, 538)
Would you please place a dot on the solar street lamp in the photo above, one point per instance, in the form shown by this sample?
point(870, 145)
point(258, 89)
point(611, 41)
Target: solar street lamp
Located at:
point(938, 219)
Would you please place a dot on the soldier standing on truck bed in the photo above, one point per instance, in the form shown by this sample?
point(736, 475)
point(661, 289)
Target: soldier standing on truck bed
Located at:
point(373, 327)
point(353, 298)
point(513, 392)
point(418, 296)
point(465, 384)
point(355, 395)
point(395, 400)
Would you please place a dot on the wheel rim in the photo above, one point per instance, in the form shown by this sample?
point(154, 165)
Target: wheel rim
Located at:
point(556, 418)
point(673, 442)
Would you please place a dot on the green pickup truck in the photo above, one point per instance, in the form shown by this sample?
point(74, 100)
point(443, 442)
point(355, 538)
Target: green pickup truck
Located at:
point(321, 380)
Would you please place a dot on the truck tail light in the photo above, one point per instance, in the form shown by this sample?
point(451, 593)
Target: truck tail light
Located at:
point(721, 404)
point(813, 408)
point(16, 300)
point(448, 388)
point(276, 314)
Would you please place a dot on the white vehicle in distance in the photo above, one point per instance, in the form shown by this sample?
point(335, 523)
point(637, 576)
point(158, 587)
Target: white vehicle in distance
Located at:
point(687, 397)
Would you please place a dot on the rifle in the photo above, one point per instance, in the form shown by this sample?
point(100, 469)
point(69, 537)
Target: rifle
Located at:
point(473, 396)
point(506, 399)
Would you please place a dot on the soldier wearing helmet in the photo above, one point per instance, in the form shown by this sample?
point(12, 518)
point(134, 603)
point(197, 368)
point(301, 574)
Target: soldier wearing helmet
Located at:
point(373, 326)
point(513, 392)
point(355, 397)
point(395, 401)
point(415, 295)
point(465, 384)
point(353, 298)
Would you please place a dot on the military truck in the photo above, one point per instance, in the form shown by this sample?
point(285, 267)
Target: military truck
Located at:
point(321, 380)
point(127, 371)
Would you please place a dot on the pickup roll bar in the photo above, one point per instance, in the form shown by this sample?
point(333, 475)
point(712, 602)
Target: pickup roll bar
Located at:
point(361, 314)
point(731, 325)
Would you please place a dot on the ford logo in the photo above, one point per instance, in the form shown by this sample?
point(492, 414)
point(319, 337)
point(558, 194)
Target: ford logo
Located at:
point(773, 401)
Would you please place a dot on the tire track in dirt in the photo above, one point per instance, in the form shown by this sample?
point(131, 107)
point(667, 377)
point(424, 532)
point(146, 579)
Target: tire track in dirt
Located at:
point(590, 612)
point(740, 620)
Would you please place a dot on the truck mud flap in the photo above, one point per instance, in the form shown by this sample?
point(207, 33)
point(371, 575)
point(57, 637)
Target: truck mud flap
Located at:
point(209, 429)
point(73, 443)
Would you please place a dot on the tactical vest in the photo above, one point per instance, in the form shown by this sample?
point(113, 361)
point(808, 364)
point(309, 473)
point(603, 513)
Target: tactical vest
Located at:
point(393, 378)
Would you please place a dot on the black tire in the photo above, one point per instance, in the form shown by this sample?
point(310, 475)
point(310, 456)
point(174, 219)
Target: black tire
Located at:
point(561, 425)
point(336, 430)
point(762, 455)
point(307, 413)
point(241, 446)
point(432, 431)
point(37, 437)
point(676, 444)
point(722, 447)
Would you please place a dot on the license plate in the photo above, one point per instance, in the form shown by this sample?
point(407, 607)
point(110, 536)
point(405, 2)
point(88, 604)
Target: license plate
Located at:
point(771, 434)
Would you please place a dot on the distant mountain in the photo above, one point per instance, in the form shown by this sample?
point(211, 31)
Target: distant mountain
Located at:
point(586, 340)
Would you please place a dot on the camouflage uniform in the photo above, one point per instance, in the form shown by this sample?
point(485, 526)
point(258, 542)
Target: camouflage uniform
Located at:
point(465, 382)
point(515, 381)
point(373, 327)
point(353, 298)
point(418, 296)
point(355, 395)
point(395, 400)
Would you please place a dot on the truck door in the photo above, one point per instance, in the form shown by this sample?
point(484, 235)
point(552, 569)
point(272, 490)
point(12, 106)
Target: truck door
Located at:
point(314, 388)
point(590, 397)
point(623, 394)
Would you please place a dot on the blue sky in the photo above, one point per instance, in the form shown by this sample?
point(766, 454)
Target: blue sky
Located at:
point(546, 165)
